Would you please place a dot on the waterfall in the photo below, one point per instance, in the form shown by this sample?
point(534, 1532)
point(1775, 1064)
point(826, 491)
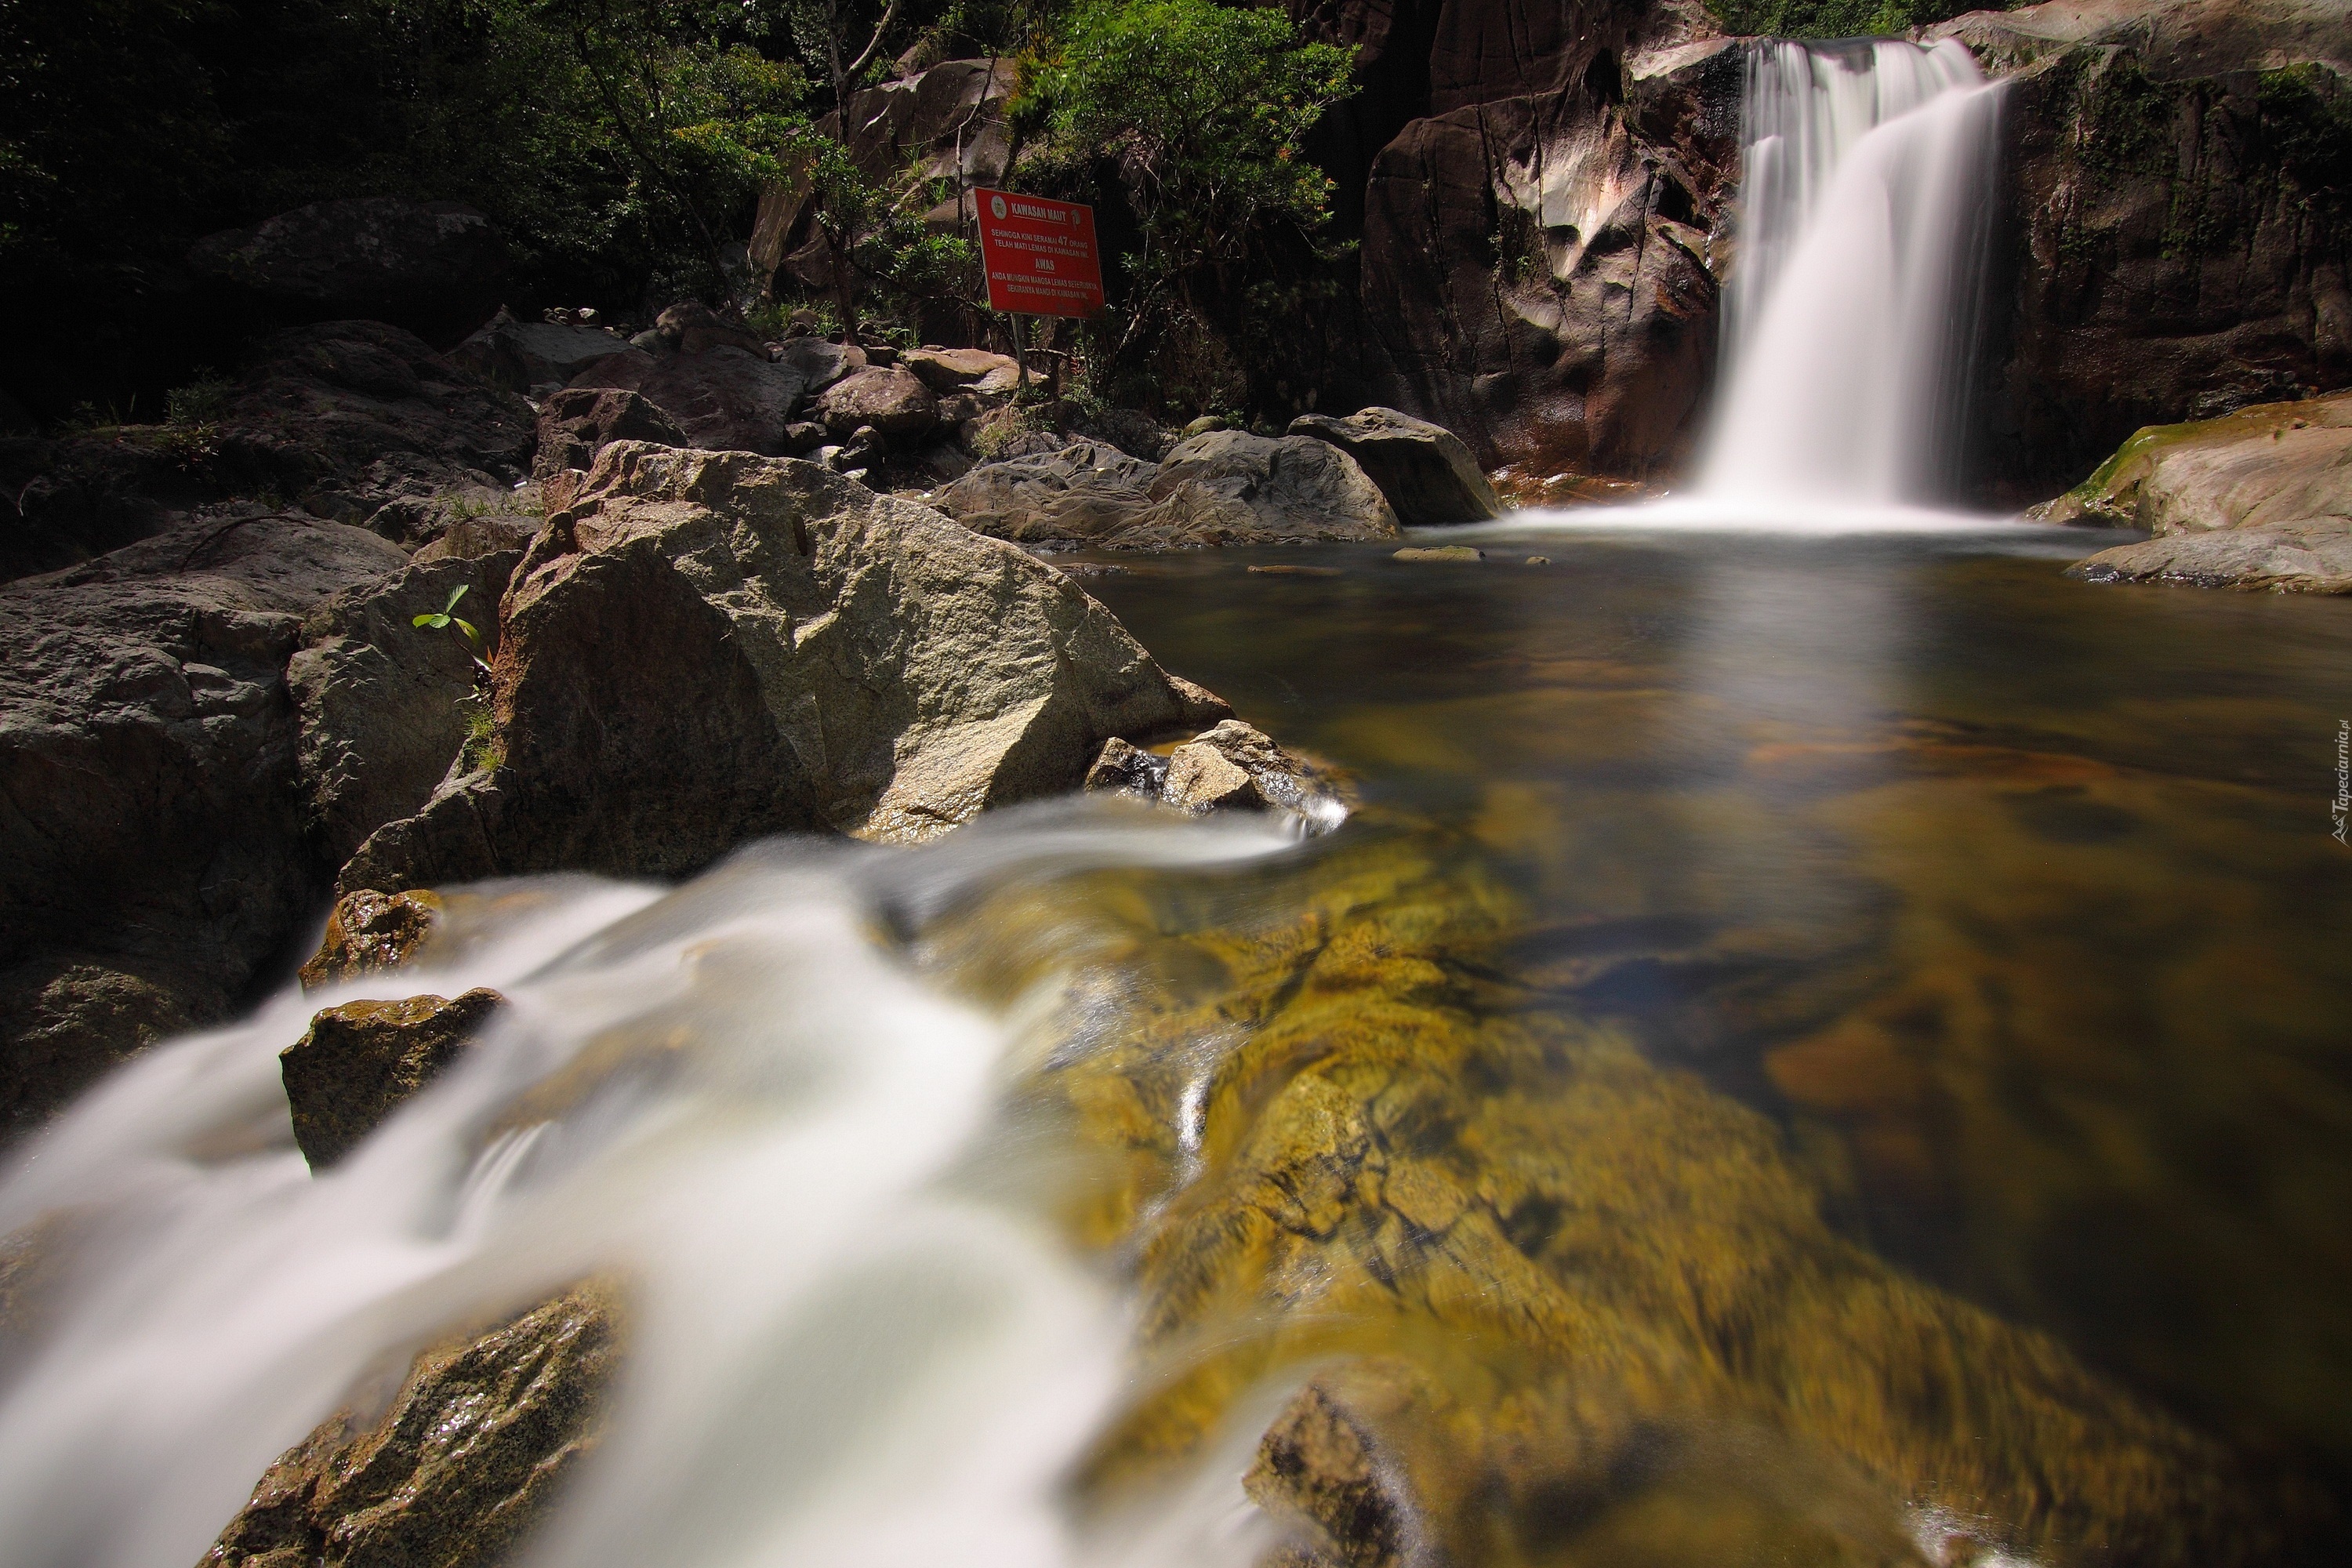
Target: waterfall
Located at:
point(1851, 316)
point(844, 1343)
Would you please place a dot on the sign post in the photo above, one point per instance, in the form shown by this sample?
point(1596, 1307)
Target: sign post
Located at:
point(1041, 260)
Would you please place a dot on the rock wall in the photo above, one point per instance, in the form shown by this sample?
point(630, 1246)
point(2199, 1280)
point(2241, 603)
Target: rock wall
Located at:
point(2176, 237)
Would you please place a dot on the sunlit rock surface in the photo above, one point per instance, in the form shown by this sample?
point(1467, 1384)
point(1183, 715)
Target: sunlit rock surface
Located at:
point(802, 654)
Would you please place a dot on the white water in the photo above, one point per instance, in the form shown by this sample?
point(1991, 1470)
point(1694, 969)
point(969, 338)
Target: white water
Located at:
point(1850, 315)
point(846, 1343)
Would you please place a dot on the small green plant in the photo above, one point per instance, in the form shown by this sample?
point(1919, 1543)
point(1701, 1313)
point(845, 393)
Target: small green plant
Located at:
point(447, 616)
point(202, 402)
point(480, 751)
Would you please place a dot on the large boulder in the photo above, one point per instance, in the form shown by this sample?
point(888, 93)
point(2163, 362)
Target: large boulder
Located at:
point(1426, 471)
point(2258, 498)
point(891, 400)
point(2175, 237)
point(385, 706)
point(1539, 268)
point(1084, 493)
point(950, 370)
point(432, 267)
point(485, 1431)
point(819, 362)
point(527, 356)
point(725, 398)
point(152, 853)
point(1231, 487)
point(579, 422)
point(800, 654)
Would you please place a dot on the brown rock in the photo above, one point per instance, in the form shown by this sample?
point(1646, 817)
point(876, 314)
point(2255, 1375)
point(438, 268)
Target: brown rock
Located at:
point(1424, 469)
point(578, 422)
point(359, 1061)
point(820, 362)
point(725, 399)
point(368, 931)
point(891, 400)
point(482, 1436)
point(152, 854)
point(1083, 492)
point(1125, 769)
point(802, 654)
point(1201, 779)
point(1231, 767)
point(945, 370)
point(690, 327)
point(1230, 487)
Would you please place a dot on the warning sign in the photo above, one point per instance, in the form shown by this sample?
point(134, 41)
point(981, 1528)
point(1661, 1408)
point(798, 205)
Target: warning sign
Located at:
point(1040, 254)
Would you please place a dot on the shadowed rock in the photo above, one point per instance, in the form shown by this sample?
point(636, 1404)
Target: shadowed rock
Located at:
point(727, 398)
point(1424, 469)
point(428, 266)
point(579, 422)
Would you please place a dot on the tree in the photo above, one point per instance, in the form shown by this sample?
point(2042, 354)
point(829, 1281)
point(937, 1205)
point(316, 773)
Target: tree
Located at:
point(1202, 112)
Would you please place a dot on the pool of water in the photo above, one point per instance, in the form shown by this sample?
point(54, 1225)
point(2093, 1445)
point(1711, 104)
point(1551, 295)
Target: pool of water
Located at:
point(2014, 904)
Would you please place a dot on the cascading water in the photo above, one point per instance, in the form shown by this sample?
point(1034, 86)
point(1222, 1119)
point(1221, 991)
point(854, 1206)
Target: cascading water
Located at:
point(842, 1345)
point(1851, 313)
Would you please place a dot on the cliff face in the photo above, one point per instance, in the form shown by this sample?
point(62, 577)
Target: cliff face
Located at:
point(1542, 195)
point(2177, 231)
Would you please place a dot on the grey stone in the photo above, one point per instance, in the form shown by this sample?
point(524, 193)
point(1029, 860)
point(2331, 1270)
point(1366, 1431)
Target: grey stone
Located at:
point(1424, 469)
point(1084, 492)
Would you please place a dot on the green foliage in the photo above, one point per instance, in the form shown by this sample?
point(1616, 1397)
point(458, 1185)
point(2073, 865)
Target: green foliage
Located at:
point(203, 401)
point(447, 617)
point(480, 751)
point(2306, 121)
point(1843, 18)
point(1202, 112)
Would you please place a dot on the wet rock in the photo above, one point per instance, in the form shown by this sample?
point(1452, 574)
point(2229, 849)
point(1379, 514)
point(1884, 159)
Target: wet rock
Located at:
point(482, 1436)
point(524, 356)
point(725, 398)
point(368, 931)
point(2289, 557)
point(1458, 554)
point(360, 1060)
point(2163, 250)
point(153, 856)
point(385, 706)
point(1321, 1466)
point(891, 400)
point(1230, 487)
point(578, 422)
point(426, 265)
point(1231, 767)
point(804, 655)
point(1083, 492)
point(1424, 469)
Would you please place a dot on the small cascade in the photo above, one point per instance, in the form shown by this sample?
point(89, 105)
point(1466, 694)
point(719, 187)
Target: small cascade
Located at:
point(1851, 316)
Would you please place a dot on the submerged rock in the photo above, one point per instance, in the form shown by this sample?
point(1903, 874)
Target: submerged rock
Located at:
point(801, 654)
point(1442, 554)
point(360, 1060)
point(1424, 469)
point(2290, 557)
point(153, 854)
point(482, 1436)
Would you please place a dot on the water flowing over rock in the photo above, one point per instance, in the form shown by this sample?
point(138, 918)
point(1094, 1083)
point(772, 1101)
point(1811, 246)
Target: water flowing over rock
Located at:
point(1865, 211)
point(1424, 469)
point(368, 931)
point(2175, 239)
point(801, 654)
point(2258, 498)
point(1231, 767)
point(152, 854)
point(476, 1446)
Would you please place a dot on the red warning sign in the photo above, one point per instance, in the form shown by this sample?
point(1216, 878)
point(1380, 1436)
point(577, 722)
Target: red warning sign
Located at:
point(1040, 254)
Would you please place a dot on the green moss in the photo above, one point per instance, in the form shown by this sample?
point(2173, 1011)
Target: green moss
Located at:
point(2307, 127)
point(481, 750)
point(1837, 18)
